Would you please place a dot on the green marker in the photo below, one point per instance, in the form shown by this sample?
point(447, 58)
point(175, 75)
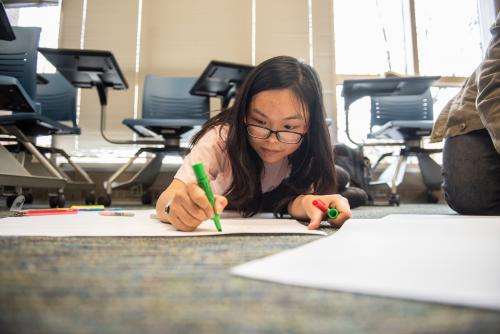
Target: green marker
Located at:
point(203, 182)
point(332, 213)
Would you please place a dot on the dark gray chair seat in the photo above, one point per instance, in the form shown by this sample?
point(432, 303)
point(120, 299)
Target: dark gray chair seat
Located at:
point(34, 124)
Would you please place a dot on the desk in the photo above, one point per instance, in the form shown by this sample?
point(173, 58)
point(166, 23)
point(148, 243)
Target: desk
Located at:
point(182, 285)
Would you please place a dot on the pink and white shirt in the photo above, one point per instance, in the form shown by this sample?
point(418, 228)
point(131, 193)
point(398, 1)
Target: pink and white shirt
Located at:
point(211, 150)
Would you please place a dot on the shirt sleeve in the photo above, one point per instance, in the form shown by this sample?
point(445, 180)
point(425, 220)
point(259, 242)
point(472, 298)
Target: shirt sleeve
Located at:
point(210, 150)
point(488, 85)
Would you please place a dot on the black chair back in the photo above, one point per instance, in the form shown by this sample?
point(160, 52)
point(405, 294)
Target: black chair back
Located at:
point(401, 108)
point(57, 97)
point(169, 98)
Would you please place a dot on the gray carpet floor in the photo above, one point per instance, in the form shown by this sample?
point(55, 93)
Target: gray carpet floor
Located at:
point(182, 285)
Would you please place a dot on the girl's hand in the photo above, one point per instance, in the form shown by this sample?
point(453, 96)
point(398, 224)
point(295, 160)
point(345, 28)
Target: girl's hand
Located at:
point(331, 201)
point(188, 207)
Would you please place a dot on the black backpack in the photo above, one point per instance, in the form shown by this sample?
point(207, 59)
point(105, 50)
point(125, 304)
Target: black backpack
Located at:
point(355, 163)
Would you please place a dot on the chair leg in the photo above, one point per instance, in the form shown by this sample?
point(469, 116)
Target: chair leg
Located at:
point(431, 175)
point(382, 157)
point(145, 176)
point(393, 175)
point(79, 170)
point(54, 171)
point(108, 185)
point(149, 172)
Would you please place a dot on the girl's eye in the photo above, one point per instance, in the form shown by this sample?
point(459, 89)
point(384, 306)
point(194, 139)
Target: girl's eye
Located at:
point(259, 121)
point(290, 127)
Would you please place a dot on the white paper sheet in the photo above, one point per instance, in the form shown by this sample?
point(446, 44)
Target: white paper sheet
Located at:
point(437, 258)
point(93, 224)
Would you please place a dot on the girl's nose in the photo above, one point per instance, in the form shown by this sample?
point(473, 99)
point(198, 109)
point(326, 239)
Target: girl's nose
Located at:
point(273, 138)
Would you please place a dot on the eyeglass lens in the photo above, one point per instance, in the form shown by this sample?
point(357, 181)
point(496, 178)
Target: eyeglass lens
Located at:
point(264, 133)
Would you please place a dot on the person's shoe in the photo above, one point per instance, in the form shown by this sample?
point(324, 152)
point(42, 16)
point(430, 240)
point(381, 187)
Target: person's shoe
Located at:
point(355, 196)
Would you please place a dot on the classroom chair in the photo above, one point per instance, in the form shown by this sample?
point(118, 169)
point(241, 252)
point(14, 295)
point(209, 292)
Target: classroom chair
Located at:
point(57, 98)
point(401, 115)
point(26, 121)
point(168, 112)
point(17, 92)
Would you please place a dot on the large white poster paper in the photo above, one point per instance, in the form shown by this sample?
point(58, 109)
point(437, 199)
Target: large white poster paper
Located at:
point(141, 224)
point(439, 258)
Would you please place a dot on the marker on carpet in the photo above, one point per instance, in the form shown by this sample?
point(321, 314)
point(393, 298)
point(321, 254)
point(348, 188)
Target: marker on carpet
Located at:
point(117, 213)
point(87, 207)
point(46, 212)
point(94, 208)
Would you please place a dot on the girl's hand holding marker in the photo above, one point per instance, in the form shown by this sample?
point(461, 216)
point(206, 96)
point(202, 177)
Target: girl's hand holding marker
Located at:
point(334, 208)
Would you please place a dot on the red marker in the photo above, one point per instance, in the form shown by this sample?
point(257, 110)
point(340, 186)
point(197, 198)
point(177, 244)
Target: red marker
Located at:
point(46, 212)
point(331, 213)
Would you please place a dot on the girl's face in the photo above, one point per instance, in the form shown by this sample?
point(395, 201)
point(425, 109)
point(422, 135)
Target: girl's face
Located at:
point(277, 110)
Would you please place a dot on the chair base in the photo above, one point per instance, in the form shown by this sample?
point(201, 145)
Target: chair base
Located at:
point(22, 173)
point(14, 175)
point(143, 179)
point(393, 175)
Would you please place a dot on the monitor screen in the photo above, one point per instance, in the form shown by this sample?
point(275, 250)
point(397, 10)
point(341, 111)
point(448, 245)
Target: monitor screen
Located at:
point(221, 79)
point(83, 67)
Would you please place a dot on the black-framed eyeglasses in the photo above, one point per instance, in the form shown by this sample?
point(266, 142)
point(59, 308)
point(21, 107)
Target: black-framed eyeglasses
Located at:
point(261, 132)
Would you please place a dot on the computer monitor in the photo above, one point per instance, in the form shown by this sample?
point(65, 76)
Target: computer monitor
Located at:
point(221, 79)
point(6, 32)
point(88, 69)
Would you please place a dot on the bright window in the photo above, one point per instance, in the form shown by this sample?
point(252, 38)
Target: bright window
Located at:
point(369, 37)
point(448, 35)
point(374, 36)
point(47, 18)
point(377, 36)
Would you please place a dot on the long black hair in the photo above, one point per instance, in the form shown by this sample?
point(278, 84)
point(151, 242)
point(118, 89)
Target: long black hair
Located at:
point(312, 165)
